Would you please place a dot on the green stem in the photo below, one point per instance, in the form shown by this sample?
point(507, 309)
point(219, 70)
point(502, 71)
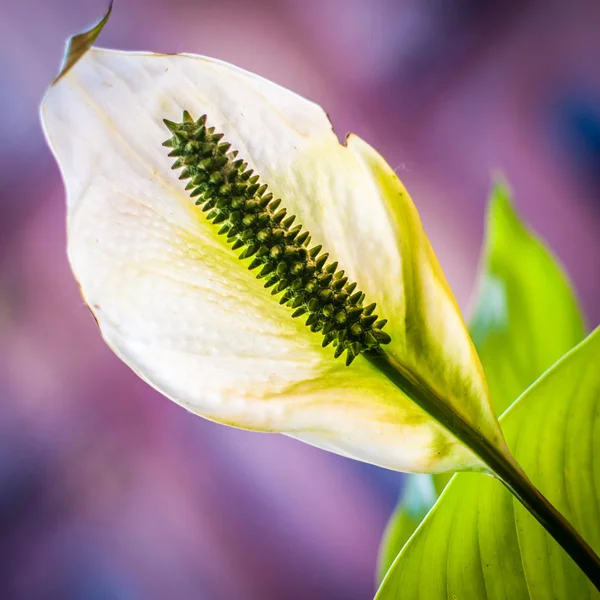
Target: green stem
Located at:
point(507, 471)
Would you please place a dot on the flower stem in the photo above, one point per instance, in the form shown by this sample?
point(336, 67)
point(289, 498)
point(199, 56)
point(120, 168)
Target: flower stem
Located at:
point(505, 470)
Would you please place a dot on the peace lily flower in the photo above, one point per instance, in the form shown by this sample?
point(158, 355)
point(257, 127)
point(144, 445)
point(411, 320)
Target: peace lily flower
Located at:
point(159, 262)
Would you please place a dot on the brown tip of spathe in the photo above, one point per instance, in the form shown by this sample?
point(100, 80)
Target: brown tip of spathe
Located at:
point(79, 44)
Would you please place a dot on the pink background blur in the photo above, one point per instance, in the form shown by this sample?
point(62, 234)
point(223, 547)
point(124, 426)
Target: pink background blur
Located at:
point(109, 491)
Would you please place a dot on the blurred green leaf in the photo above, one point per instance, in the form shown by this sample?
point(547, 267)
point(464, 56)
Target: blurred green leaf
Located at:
point(416, 499)
point(526, 317)
point(418, 496)
point(478, 541)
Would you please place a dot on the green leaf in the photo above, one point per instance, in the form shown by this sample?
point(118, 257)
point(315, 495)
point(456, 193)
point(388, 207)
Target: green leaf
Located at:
point(526, 317)
point(418, 496)
point(478, 541)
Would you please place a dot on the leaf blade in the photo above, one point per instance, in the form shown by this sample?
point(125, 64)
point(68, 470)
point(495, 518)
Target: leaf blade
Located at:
point(523, 287)
point(418, 496)
point(547, 572)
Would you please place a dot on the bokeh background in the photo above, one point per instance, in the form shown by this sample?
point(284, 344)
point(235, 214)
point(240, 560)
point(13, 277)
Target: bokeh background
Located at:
point(109, 491)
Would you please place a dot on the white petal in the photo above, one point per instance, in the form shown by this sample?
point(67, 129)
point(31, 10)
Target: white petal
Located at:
point(174, 302)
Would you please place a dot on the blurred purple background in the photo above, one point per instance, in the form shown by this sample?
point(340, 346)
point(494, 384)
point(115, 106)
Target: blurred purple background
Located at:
point(109, 491)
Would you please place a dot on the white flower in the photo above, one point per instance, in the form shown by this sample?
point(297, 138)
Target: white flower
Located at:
point(174, 302)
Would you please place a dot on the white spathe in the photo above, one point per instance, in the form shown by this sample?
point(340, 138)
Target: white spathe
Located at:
point(175, 303)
